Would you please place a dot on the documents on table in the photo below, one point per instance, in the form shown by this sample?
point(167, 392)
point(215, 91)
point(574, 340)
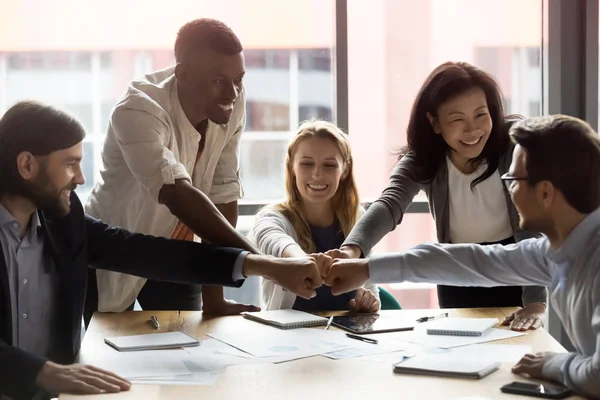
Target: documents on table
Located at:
point(422, 338)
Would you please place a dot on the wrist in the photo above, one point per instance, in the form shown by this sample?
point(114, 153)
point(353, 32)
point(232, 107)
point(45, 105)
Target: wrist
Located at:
point(352, 250)
point(364, 268)
point(44, 372)
point(256, 265)
point(537, 305)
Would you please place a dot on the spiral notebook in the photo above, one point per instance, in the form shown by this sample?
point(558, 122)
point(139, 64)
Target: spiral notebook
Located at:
point(286, 319)
point(443, 366)
point(461, 326)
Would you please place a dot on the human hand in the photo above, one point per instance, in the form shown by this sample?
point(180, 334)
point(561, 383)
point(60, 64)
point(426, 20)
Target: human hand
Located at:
point(364, 301)
point(533, 364)
point(79, 379)
point(529, 317)
point(345, 275)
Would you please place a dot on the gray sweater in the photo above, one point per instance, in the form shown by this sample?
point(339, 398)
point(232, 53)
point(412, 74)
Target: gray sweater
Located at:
point(388, 211)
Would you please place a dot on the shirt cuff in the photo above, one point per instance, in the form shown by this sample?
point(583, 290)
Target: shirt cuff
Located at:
point(554, 368)
point(384, 268)
point(238, 267)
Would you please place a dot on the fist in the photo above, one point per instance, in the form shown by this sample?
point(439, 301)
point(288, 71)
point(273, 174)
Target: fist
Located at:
point(346, 275)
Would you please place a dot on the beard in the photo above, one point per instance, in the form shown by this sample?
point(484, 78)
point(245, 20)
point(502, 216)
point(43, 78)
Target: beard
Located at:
point(46, 196)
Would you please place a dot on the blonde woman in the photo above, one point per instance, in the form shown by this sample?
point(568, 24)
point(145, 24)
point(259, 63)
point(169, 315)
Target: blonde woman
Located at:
point(320, 209)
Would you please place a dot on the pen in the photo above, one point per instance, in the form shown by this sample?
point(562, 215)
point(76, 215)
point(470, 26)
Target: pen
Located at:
point(329, 322)
point(154, 321)
point(364, 339)
point(425, 319)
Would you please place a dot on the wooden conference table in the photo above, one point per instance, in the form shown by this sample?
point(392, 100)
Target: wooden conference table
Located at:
point(314, 377)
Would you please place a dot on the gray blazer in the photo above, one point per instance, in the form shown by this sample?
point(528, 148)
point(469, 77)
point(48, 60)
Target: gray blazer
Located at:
point(388, 211)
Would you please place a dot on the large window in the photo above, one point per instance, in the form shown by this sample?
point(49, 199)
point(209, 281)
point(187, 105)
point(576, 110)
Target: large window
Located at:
point(388, 62)
point(61, 56)
point(84, 69)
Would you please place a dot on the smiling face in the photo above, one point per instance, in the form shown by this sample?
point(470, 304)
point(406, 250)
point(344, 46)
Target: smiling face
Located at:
point(318, 167)
point(210, 84)
point(465, 124)
point(57, 175)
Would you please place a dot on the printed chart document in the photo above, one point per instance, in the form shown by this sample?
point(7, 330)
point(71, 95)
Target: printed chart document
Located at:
point(273, 342)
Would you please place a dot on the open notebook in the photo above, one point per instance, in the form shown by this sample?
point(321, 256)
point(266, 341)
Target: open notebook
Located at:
point(152, 341)
point(443, 366)
point(460, 326)
point(286, 319)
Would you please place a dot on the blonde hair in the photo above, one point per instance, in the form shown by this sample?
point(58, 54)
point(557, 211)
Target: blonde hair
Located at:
point(345, 202)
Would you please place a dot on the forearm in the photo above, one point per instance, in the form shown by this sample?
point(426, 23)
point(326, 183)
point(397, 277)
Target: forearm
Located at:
point(197, 212)
point(293, 250)
point(178, 261)
point(371, 228)
point(576, 371)
point(464, 265)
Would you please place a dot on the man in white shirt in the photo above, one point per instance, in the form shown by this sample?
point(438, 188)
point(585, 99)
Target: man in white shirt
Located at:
point(554, 181)
point(171, 166)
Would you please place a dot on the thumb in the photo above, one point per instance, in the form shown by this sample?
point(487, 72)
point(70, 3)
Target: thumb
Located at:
point(352, 304)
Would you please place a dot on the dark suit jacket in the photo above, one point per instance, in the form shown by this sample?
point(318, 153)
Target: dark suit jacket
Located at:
point(78, 240)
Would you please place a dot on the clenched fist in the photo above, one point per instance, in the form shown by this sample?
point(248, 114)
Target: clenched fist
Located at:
point(300, 275)
point(345, 275)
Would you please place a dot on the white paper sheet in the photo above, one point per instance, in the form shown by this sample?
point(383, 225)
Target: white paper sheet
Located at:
point(274, 342)
point(422, 338)
point(145, 363)
point(213, 347)
point(207, 378)
point(505, 353)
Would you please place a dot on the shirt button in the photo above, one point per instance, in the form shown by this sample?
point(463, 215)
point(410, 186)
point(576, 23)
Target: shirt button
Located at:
point(16, 226)
point(24, 315)
point(25, 281)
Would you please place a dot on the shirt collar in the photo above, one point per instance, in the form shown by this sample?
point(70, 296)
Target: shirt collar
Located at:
point(7, 221)
point(578, 239)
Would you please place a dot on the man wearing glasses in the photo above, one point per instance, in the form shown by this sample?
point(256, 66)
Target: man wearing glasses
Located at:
point(554, 181)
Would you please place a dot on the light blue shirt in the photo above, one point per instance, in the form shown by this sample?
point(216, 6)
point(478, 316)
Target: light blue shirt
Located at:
point(34, 285)
point(572, 273)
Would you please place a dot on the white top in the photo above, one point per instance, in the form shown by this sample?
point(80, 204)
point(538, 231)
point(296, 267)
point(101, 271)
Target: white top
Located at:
point(272, 233)
point(572, 274)
point(151, 143)
point(479, 215)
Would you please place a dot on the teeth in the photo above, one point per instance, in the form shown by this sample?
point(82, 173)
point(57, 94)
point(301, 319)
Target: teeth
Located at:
point(471, 142)
point(316, 187)
point(226, 107)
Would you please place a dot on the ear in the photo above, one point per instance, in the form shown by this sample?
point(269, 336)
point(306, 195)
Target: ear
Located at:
point(181, 73)
point(27, 165)
point(545, 193)
point(434, 123)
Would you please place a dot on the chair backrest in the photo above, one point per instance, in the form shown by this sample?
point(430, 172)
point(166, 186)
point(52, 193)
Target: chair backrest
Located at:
point(388, 302)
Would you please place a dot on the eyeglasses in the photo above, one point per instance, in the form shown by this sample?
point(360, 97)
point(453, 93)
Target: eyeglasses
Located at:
point(509, 180)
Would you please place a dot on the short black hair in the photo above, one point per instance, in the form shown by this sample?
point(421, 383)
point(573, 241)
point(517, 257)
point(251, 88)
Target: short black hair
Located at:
point(565, 151)
point(36, 128)
point(206, 34)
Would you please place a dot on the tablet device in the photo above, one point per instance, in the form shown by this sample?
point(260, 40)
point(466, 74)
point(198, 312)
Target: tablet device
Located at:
point(374, 323)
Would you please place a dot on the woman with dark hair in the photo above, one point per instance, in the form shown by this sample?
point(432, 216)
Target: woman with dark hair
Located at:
point(458, 147)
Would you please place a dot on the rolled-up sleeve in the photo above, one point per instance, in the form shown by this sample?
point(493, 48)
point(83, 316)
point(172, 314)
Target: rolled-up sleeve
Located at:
point(141, 136)
point(226, 185)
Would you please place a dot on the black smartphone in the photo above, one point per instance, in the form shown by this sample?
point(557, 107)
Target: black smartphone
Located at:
point(545, 390)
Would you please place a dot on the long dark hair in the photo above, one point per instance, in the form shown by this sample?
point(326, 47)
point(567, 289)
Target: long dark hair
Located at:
point(429, 149)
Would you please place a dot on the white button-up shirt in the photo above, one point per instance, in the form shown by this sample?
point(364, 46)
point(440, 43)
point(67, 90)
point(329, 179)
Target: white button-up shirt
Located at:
point(151, 143)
